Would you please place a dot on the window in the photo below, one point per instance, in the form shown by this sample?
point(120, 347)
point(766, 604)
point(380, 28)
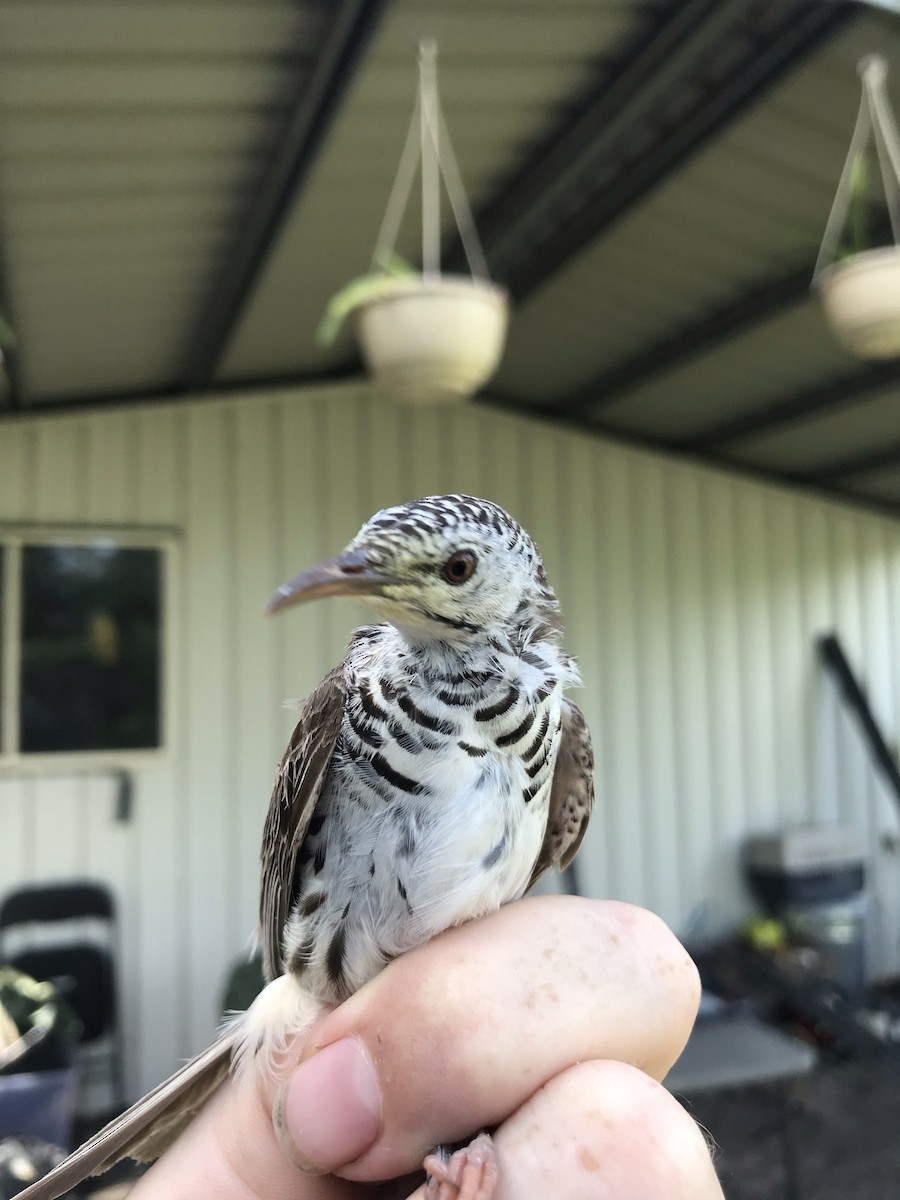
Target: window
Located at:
point(82, 645)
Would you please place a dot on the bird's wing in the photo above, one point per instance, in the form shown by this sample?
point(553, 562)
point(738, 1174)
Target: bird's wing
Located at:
point(298, 784)
point(571, 794)
point(146, 1129)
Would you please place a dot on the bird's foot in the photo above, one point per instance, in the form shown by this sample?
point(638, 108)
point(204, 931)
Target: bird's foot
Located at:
point(469, 1174)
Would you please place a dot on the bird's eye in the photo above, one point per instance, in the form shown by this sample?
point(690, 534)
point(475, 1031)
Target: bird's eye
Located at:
point(459, 566)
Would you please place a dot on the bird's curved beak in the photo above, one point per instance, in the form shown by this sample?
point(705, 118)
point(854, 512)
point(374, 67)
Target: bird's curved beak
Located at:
point(350, 574)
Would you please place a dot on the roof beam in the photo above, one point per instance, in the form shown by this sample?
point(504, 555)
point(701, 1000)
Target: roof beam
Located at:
point(800, 406)
point(762, 301)
point(351, 31)
point(671, 449)
point(855, 465)
point(10, 363)
point(759, 303)
point(15, 399)
point(594, 169)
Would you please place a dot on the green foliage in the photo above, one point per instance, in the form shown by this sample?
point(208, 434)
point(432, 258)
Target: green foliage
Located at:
point(7, 334)
point(40, 1016)
point(857, 214)
point(858, 233)
point(358, 291)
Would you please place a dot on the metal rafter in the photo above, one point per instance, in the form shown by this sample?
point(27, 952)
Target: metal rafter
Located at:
point(762, 301)
point(855, 465)
point(10, 364)
point(837, 392)
point(831, 488)
point(351, 31)
point(759, 303)
point(588, 173)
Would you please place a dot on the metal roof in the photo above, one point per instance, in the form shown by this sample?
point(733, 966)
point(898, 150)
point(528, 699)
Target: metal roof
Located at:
point(183, 186)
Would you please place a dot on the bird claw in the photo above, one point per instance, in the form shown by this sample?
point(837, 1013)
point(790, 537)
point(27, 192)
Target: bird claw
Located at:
point(470, 1174)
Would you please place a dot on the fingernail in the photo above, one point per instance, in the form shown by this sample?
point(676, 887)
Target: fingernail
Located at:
point(329, 1112)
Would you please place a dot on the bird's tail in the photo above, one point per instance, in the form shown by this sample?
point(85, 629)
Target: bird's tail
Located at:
point(281, 1011)
point(146, 1129)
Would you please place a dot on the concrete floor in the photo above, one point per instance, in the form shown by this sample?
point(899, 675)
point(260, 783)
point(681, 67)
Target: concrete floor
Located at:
point(845, 1126)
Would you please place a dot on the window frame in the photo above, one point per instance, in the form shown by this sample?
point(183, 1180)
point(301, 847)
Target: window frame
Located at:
point(13, 537)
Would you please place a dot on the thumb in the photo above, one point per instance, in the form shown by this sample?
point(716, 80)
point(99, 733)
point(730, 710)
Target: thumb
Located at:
point(458, 1034)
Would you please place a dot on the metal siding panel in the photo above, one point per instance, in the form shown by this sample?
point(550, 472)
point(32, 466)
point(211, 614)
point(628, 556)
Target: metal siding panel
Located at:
point(344, 449)
point(881, 646)
point(792, 655)
point(207, 947)
point(688, 651)
point(59, 471)
point(816, 576)
point(387, 464)
point(56, 826)
point(16, 843)
point(17, 450)
point(112, 855)
point(622, 776)
point(107, 454)
point(158, 829)
point(691, 600)
point(303, 472)
point(855, 770)
point(110, 467)
point(853, 763)
point(507, 485)
point(465, 450)
point(725, 712)
point(578, 588)
point(756, 678)
point(430, 473)
point(655, 546)
point(255, 687)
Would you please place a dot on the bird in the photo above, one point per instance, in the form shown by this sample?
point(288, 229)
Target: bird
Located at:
point(435, 774)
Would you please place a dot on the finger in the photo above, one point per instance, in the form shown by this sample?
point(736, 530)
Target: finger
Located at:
point(459, 1033)
point(602, 1131)
point(230, 1151)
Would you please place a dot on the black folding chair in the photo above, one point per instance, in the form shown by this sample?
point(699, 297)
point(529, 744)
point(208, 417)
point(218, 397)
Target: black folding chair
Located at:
point(67, 932)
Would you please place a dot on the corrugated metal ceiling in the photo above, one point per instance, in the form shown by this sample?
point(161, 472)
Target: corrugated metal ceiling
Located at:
point(183, 185)
point(132, 139)
point(506, 70)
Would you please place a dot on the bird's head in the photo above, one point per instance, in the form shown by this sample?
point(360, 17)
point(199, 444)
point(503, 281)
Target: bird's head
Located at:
point(448, 568)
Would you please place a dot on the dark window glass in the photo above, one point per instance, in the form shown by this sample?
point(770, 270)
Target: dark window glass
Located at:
point(91, 648)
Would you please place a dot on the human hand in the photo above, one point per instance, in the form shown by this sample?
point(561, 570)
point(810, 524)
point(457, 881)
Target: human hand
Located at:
point(552, 1020)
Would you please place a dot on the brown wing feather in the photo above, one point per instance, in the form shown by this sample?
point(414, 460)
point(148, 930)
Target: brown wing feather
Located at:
point(571, 794)
point(146, 1129)
point(298, 784)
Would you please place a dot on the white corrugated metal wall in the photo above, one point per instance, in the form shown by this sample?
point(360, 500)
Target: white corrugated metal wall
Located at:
point(692, 599)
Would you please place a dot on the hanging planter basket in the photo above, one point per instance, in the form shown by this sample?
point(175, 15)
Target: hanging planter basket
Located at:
point(860, 289)
point(427, 338)
point(433, 341)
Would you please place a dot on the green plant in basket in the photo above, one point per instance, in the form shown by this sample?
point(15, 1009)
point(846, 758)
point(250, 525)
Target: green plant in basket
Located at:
point(358, 291)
